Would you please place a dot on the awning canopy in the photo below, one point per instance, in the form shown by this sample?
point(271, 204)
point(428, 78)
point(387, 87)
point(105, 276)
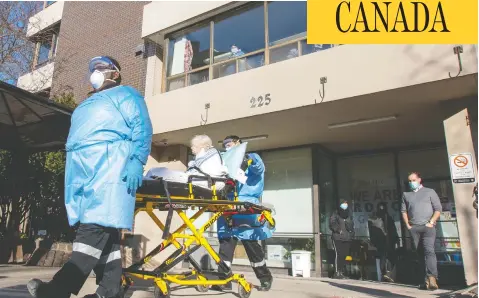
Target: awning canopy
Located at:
point(31, 122)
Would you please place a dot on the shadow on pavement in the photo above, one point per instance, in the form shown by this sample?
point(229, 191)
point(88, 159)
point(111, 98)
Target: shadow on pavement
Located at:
point(369, 291)
point(148, 286)
point(14, 291)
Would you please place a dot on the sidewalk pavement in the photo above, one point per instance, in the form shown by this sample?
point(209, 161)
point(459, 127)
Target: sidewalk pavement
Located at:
point(14, 278)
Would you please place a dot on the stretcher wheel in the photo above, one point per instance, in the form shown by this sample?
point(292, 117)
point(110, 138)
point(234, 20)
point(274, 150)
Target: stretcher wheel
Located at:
point(202, 289)
point(242, 292)
point(159, 294)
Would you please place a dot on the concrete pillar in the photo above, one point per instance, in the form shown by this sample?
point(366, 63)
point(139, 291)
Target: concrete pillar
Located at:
point(459, 141)
point(317, 231)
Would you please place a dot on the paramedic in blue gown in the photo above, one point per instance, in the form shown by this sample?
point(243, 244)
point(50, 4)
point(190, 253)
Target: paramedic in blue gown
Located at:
point(249, 233)
point(107, 147)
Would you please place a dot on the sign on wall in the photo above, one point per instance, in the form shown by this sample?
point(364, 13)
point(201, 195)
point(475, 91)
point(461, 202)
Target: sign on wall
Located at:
point(462, 168)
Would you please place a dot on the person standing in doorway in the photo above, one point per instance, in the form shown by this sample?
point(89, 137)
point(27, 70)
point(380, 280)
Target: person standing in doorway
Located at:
point(420, 210)
point(249, 190)
point(384, 236)
point(342, 227)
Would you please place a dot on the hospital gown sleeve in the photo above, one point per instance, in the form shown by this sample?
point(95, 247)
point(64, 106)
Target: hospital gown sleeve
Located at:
point(257, 167)
point(134, 110)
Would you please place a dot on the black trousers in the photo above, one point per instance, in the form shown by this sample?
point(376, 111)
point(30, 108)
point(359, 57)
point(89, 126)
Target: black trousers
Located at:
point(95, 248)
point(342, 250)
point(387, 261)
point(253, 250)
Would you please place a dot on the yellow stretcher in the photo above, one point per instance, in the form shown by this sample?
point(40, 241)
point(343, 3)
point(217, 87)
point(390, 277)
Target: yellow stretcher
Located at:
point(179, 197)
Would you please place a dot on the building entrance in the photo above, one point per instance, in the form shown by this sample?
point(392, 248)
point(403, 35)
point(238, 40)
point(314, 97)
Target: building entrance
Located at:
point(368, 180)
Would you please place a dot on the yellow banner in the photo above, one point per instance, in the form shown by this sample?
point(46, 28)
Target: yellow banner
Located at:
point(392, 22)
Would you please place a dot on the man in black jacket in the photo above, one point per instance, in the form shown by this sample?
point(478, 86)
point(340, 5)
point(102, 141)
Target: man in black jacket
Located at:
point(342, 227)
point(384, 237)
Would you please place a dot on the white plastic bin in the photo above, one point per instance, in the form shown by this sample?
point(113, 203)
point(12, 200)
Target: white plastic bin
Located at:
point(301, 263)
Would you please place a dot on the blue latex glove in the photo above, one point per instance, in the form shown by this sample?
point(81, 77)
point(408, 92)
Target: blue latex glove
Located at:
point(133, 175)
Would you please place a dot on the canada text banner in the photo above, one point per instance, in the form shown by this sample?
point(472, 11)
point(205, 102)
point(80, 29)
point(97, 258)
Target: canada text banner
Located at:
point(392, 22)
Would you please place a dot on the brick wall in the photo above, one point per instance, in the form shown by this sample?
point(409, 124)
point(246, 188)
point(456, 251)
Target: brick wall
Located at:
point(90, 29)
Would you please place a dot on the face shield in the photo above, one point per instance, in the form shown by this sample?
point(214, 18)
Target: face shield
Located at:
point(229, 143)
point(100, 70)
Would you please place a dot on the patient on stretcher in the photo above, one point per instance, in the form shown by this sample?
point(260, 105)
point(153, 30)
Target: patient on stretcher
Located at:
point(207, 162)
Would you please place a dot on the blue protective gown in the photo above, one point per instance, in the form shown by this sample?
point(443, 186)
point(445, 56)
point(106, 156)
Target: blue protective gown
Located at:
point(106, 130)
point(251, 191)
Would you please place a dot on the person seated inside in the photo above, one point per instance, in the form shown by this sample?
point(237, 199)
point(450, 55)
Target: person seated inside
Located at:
point(207, 162)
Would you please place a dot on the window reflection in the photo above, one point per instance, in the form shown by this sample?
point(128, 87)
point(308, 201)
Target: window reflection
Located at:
point(44, 52)
point(199, 77)
point(189, 51)
point(239, 34)
point(250, 62)
point(238, 42)
point(176, 83)
point(312, 48)
point(286, 21)
point(224, 69)
point(284, 53)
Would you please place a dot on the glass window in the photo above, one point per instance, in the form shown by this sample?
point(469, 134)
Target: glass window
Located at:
point(365, 182)
point(44, 52)
point(312, 48)
point(250, 62)
point(430, 163)
point(283, 53)
point(176, 83)
point(289, 175)
point(198, 77)
point(55, 44)
point(279, 248)
point(189, 51)
point(225, 69)
point(239, 34)
point(286, 21)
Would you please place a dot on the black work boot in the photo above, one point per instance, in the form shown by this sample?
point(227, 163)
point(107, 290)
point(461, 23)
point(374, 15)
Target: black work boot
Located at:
point(33, 287)
point(266, 284)
point(40, 289)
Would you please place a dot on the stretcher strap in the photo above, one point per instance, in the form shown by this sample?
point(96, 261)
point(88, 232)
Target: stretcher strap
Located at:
point(169, 217)
point(246, 211)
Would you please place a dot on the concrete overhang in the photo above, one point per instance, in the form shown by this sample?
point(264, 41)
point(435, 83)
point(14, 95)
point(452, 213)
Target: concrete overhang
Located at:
point(420, 111)
point(45, 19)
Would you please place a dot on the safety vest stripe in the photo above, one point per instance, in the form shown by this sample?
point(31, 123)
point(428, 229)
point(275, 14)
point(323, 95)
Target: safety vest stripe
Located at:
point(87, 249)
point(259, 264)
point(116, 255)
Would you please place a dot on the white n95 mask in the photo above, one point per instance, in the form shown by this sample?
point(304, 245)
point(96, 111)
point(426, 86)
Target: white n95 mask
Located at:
point(97, 79)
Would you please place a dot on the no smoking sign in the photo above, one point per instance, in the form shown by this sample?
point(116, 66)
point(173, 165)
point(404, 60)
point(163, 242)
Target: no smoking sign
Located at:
point(462, 168)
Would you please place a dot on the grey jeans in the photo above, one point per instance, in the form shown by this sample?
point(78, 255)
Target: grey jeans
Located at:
point(423, 239)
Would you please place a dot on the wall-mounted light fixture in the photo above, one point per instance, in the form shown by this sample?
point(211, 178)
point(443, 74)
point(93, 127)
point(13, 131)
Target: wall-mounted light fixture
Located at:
point(362, 121)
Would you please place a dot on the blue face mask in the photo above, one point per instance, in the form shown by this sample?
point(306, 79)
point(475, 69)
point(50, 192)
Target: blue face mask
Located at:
point(414, 185)
point(343, 206)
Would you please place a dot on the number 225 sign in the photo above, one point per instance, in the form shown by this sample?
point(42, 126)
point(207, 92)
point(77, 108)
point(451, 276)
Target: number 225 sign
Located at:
point(260, 101)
